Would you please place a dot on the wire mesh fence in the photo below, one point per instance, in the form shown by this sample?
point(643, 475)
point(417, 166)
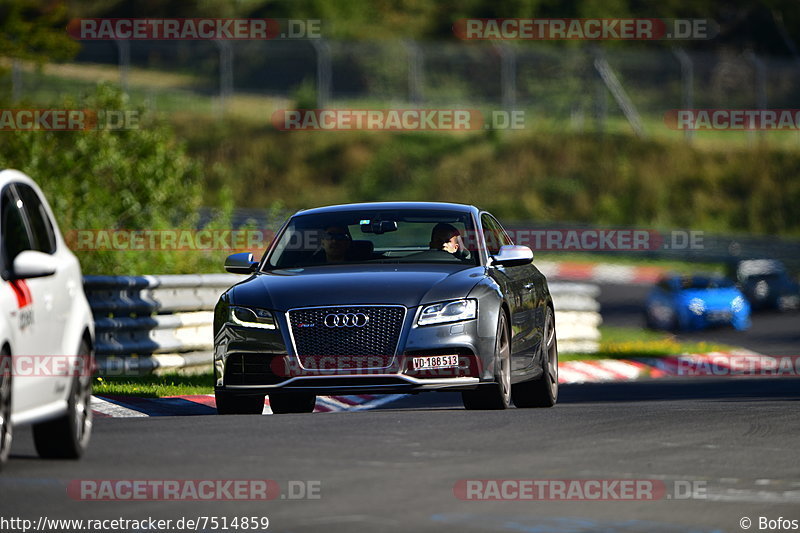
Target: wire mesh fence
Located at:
point(572, 87)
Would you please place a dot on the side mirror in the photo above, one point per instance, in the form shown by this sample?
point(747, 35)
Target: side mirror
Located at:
point(511, 255)
point(241, 263)
point(33, 264)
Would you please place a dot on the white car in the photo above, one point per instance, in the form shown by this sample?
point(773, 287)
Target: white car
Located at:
point(46, 327)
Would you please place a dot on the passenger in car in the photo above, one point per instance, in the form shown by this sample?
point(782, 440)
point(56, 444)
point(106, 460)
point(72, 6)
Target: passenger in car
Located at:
point(447, 238)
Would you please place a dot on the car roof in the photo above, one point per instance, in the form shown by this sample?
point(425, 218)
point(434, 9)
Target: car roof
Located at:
point(433, 206)
point(697, 277)
point(10, 175)
point(759, 267)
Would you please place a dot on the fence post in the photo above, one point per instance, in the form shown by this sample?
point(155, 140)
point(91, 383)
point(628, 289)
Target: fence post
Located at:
point(16, 80)
point(225, 73)
point(415, 80)
point(618, 92)
point(508, 75)
point(323, 50)
point(600, 103)
point(687, 85)
point(760, 81)
point(124, 56)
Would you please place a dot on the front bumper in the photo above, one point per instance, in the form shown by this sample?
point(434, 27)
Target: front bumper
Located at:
point(252, 361)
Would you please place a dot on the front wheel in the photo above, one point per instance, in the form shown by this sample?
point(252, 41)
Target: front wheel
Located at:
point(67, 437)
point(5, 407)
point(543, 391)
point(292, 403)
point(496, 395)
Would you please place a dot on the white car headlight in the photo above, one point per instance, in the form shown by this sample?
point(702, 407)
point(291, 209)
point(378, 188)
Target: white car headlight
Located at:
point(737, 304)
point(251, 317)
point(445, 312)
point(697, 306)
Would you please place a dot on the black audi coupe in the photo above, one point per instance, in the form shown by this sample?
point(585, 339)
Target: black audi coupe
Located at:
point(394, 297)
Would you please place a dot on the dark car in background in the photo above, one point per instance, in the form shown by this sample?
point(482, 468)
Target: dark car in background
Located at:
point(386, 298)
point(694, 302)
point(767, 284)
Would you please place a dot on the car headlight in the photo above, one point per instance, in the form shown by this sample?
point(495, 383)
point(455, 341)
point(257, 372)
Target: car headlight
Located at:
point(251, 317)
point(445, 312)
point(697, 306)
point(737, 304)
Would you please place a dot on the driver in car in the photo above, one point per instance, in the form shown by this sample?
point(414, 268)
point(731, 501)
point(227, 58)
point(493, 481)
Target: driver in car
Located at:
point(336, 244)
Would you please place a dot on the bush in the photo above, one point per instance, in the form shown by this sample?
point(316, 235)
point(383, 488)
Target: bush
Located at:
point(545, 177)
point(134, 179)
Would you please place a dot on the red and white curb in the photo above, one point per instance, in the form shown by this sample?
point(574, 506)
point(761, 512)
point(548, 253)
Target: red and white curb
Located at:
point(600, 272)
point(600, 370)
point(737, 363)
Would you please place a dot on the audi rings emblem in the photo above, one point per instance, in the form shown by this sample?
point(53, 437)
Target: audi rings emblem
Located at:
point(346, 320)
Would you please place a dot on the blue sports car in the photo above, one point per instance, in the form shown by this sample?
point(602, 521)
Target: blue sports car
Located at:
point(685, 303)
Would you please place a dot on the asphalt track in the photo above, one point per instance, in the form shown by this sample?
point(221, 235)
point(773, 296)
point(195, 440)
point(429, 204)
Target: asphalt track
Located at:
point(395, 469)
point(771, 333)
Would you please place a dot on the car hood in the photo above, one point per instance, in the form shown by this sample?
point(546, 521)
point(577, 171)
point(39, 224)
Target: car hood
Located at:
point(407, 285)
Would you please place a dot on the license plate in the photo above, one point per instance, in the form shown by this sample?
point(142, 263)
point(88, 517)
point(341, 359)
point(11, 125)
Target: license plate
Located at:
point(719, 316)
point(435, 361)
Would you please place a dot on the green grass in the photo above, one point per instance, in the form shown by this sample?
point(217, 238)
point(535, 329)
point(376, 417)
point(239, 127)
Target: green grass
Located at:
point(156, 386)
point(183, 93)
point(626, 343)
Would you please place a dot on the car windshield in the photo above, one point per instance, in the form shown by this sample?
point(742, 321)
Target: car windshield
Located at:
point(376, 236)
point(700, 282)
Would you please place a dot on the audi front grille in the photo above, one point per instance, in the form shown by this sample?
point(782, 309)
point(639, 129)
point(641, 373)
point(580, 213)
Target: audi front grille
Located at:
point(361, 336)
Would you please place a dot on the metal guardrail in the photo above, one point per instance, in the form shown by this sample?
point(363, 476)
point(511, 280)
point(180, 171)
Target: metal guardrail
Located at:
point(144, 323)
point(577, 316)
point(126, 295)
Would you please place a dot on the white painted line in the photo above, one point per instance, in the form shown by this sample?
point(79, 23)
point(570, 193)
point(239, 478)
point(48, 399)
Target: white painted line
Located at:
point(377, 402)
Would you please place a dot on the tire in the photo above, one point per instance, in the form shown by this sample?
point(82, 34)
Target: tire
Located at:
point(67, 436)
point(543, 391)
point(233, 404)
point(6, 432)
point(649, 323)
point(497, 395)
point(292, 403)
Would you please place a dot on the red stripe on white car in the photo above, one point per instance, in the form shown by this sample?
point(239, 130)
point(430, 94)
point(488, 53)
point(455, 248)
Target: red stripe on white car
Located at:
point(22, 292)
